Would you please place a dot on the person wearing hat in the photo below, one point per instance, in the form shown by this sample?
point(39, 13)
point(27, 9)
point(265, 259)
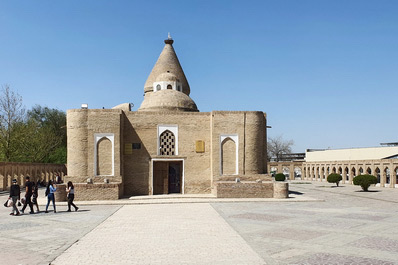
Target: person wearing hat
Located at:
point(15, 195)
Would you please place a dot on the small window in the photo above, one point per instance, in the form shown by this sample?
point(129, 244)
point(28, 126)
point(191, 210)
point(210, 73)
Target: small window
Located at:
point(169, 87)
point(179, 88)
point(157, 87)
point(136, 145)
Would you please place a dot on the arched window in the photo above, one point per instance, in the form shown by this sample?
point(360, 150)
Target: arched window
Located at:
point(169, 87)
point(158, 87)
point(167, 143)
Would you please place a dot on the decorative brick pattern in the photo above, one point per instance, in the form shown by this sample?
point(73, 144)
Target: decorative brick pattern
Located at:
point(334, 259)
point(260, 217)
point(299, 234)
point(377, 243)
point(363, 217)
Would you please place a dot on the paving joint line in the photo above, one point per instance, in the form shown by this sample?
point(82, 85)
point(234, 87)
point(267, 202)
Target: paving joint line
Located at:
point(71, 243)
point(353, 195)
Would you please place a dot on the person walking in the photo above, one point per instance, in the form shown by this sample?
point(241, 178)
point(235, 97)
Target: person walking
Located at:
point(70, 189)
point(15, 195)
point(28, 195)
point(50, 194)
point(35, 196)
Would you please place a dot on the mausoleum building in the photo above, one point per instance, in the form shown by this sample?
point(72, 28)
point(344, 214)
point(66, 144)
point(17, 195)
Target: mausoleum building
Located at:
point(167, 145)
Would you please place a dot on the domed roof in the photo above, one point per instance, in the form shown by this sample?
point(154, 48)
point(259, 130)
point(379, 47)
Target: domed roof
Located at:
point(166, 77)
point(167, 100)
point(167, 63)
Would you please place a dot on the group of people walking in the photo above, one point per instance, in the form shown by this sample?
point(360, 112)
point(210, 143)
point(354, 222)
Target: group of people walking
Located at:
point(32, 193)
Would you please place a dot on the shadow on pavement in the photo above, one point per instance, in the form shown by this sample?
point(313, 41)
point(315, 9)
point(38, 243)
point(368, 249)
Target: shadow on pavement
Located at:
point(295, 192)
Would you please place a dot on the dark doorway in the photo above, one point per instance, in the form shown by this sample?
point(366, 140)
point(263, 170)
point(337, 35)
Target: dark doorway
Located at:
point(175, 177)
point(167, 177)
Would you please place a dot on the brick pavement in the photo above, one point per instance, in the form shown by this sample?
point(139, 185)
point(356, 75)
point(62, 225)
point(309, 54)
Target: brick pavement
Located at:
point(162, 234)
point(341, 226)
point(345, 228)
point(40, 238)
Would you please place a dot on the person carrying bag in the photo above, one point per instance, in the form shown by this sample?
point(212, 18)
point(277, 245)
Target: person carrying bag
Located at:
point(15, 194)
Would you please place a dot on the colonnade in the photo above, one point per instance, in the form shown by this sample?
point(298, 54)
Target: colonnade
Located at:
point(386, 170)
point(291, 168)
point(36, 171)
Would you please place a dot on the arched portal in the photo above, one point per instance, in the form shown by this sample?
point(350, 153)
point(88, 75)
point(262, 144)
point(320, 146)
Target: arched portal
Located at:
point(377, 171)
point(228, 157)
point(297, 172)
point(286, 172)
point(353, 172)
point(369, 171)
point(387, 175)
point(104, 157)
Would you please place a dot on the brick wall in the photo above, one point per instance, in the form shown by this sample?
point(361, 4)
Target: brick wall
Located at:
point(36, 171)
point(96, 191)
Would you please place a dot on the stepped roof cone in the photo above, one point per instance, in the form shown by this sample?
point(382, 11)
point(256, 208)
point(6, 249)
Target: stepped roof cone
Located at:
point(167, 87)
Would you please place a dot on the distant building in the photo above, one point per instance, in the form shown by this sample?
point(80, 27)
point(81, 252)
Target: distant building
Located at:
point(381, 162)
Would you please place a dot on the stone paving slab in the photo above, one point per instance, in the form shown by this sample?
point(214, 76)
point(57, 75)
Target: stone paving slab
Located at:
point(39, 238)
point(342, 229)
point(320, 225)
point(162, 234)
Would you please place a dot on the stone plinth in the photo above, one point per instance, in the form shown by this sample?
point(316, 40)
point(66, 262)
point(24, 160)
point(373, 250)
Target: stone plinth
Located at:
point(281, 190)
point(98, 191)
point(244, 189)
point(251, 189)
point(60, 193)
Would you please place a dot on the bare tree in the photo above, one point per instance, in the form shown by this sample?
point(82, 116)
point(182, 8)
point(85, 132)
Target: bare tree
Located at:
point(277, 147)
point(12, 113)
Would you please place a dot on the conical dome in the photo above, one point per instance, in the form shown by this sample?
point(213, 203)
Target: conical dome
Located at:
point(166, 88)
point(167, 63)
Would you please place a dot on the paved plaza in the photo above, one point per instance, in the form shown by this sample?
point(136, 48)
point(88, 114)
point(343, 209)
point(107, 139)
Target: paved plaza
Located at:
point(321, 224)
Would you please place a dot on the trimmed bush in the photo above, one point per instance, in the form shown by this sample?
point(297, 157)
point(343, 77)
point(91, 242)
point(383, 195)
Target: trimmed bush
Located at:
point(365, 181)
point(334, 178)
point(280, 177)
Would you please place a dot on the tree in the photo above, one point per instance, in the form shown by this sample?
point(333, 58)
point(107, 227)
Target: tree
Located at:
point(49, 127)
point(334, 178)
point(280, 177)
point(364, 181)
point(35, 143)
point(276, 147)
point(12, 113)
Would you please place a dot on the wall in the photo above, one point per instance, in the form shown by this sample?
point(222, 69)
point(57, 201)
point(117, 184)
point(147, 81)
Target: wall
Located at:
point(82, 125)
point(36, 171)
point(141, 127)
point(372, 153)
point(250, 126)
point(134, 168)
point(98, 191)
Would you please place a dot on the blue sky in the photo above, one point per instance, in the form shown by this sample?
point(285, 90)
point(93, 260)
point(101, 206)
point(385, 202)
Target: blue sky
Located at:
point(325, 72)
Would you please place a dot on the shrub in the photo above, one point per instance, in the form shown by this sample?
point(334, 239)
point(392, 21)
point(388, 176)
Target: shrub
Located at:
point(334, 178)
point(365, 181)
point(280, 177)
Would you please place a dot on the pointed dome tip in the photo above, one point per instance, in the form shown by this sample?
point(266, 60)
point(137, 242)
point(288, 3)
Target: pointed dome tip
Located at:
point(169, 40)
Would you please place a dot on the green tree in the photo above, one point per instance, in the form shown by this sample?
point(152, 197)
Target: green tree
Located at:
point(334, 178)
point(12, 115)
point(49, 127)
point(364, 181)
